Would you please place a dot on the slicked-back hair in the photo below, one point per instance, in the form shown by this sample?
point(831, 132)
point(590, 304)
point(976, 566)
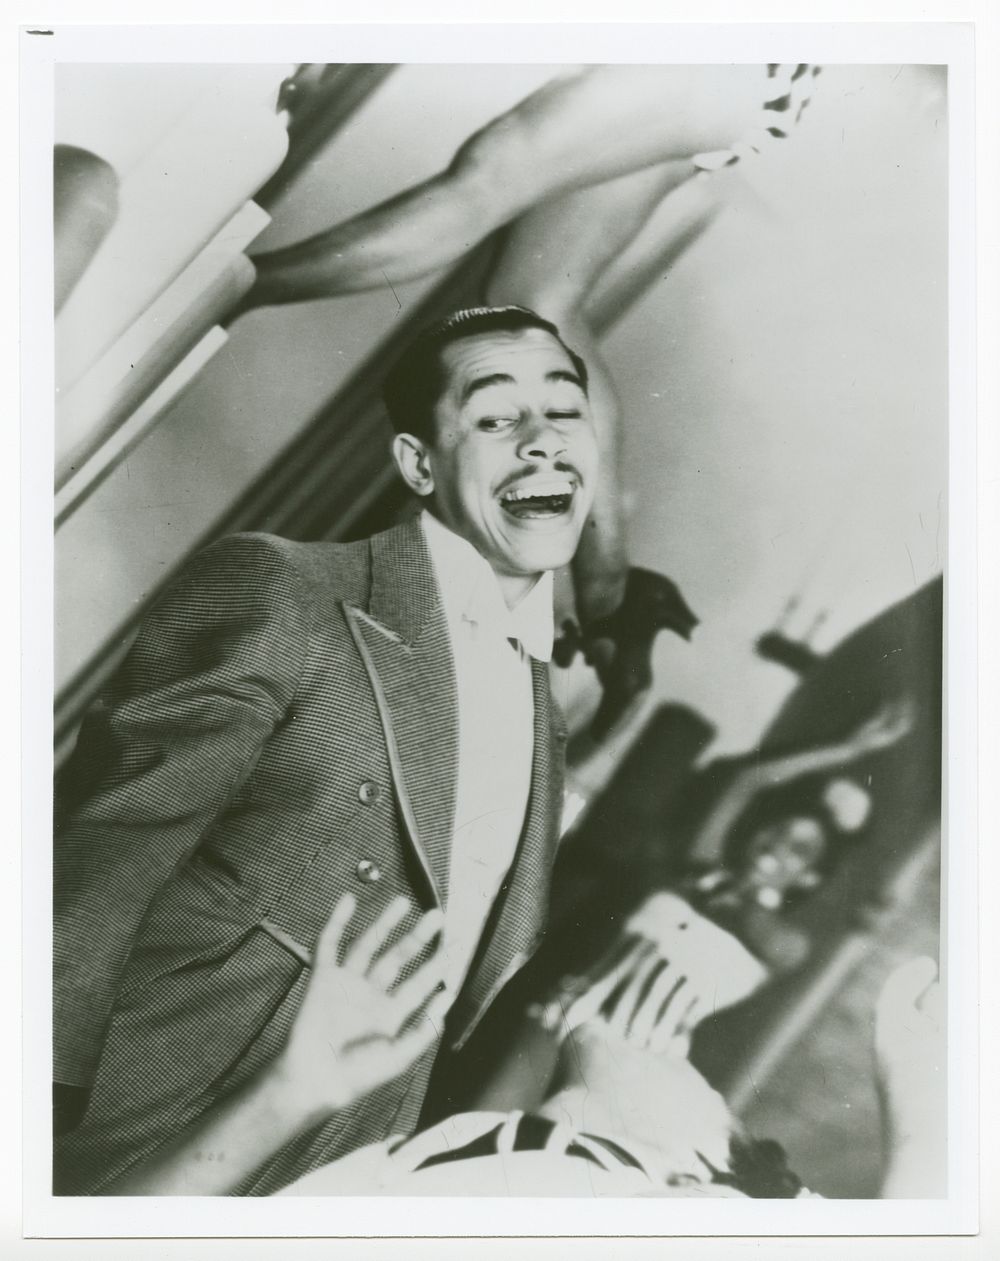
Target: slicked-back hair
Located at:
point(417, 380)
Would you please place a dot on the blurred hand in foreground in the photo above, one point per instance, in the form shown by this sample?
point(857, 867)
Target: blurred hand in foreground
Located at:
point(358, 1025)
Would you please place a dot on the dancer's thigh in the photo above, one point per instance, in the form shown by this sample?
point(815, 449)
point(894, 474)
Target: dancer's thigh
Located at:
point(605, 121)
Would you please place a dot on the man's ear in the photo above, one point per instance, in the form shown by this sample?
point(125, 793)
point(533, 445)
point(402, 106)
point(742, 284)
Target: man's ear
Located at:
point(413, 461)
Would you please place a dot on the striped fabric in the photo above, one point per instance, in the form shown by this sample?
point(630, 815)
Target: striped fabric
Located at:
point(517, 1154)
point(514, 1132)
point(633, 1169)
point(787, 94)
point(284, 723)
point(491, 1154)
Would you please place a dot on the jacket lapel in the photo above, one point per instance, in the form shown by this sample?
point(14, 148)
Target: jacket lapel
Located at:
point(403, 642)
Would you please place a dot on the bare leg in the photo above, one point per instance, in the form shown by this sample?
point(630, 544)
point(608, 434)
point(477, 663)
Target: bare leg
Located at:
point(551, 259)
point(673, 226)
point(580, 260)
point(581, 128)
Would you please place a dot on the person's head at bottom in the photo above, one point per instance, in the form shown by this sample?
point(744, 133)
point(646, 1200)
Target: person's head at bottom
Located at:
point(494, 431)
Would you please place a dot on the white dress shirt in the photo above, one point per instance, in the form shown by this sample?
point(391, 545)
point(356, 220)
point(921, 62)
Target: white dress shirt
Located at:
point(490, 647)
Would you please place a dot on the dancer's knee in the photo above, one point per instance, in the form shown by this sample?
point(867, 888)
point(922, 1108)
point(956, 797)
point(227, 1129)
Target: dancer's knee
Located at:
point(493, 165)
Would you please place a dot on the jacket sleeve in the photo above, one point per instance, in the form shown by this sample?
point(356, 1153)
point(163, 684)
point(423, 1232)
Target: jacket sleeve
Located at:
point(212, 671)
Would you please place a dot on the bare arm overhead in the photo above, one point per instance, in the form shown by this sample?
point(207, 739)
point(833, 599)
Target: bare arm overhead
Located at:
point(581, 128)
point(885, 728)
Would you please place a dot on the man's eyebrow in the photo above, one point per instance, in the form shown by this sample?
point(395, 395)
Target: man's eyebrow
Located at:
point(483, 383)
point(563, 374)
point(504, 378)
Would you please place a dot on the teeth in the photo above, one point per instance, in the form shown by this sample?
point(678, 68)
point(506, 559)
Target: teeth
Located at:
point(538, 492)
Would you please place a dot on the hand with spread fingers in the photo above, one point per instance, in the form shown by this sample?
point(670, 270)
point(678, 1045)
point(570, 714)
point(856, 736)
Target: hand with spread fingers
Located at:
point(637, 996)
point(623, 1066)
point(658, 1007)
point(670, 969)
point(357, 1026)
point(361, 1023)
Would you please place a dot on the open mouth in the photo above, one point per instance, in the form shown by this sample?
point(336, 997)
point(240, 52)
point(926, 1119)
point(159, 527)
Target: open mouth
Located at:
point(538, 501)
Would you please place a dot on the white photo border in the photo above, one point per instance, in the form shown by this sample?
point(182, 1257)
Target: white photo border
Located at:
point(48, 1216)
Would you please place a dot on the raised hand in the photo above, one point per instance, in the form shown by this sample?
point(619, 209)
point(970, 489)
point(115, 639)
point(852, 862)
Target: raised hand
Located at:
point(635, 996)
point(657, 1009)
point(580, 998)
point(669, 969)
point(359, 1025)
point(653, 1007)
point(624, 1070)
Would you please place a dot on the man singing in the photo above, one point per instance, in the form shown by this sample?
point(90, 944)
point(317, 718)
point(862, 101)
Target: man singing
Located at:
point(299, 722)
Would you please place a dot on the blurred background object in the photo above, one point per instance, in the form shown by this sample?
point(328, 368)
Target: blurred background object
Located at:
point(85, 195)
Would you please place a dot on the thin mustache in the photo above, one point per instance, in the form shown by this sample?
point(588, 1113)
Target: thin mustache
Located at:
point(517, 480)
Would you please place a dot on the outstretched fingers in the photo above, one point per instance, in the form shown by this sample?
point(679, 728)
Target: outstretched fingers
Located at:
point(693, 1014)
point(416, 989)
point(328, 947)
point(386, 971)
point(676, 1016)
point(617, 967)
point(405, 1048)
point(622, 1007)
point(360, 955)
point(905, 990)
point(658, 1005)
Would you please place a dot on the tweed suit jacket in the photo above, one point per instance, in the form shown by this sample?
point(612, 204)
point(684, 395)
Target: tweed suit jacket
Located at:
point(284, 726)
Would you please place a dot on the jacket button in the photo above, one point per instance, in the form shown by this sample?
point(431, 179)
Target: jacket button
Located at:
point(367, 871)
point(369, 793)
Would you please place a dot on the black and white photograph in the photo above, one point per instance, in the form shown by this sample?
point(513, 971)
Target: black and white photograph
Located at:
point(501, 610)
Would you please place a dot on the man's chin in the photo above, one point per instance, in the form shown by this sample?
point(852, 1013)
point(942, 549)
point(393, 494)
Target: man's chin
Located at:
point(535, 545)
point(544, 553)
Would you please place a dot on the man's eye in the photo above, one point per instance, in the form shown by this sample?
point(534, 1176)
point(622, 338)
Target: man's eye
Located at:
point(569, 413)
point(493, 424)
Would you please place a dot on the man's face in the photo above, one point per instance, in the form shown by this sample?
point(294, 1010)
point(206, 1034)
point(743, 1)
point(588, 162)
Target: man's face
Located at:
point(513, 464)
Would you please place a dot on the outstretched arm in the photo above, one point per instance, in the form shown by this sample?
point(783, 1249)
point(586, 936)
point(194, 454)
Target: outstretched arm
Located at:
point(885, 728)
point(581, 128)
point(359, 1026)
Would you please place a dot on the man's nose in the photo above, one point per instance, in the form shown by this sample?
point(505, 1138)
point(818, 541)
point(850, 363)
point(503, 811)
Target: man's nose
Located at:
point(541, 440)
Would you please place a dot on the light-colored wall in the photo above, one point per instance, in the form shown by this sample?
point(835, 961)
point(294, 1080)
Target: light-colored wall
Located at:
point(785, 384)
point(786, 387)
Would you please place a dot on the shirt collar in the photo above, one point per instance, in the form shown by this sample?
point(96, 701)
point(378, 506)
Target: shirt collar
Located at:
point(470, 592)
